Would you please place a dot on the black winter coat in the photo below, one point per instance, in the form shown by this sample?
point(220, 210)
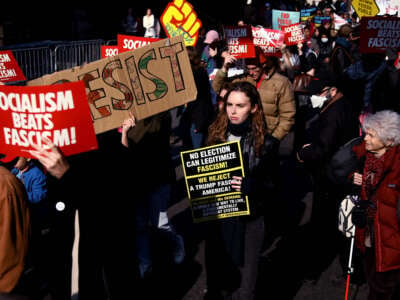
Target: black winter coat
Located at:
point(200, 111)
point(336, 124)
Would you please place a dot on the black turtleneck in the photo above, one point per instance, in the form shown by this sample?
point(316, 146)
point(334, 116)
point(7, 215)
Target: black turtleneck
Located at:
point(239, 129)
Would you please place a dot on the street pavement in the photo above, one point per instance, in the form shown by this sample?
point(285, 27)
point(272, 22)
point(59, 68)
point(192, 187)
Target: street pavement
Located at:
point(279, 277)
point(283, 268)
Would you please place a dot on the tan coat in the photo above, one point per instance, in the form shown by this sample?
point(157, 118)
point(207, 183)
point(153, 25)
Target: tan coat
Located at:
point(14, 230)
point(277, 98)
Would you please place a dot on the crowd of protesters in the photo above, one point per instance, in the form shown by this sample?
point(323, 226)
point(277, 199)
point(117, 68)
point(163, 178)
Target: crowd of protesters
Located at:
point(289, 113)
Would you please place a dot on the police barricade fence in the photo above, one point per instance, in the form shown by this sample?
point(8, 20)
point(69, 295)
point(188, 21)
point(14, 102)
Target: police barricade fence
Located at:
point(39, 59)
point(76, 53)
point(34, 62)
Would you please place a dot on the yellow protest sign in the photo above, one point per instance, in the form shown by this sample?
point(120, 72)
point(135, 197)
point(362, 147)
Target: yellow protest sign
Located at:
point(208, 173)
point(365, 8)
point(179, 18)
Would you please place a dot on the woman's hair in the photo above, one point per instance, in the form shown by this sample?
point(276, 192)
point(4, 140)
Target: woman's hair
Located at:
point(386, 124)
point(217, 130)
point(194, 57)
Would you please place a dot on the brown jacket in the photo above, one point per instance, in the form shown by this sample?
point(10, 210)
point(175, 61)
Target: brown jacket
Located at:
point(14, 230)
point(277, 98)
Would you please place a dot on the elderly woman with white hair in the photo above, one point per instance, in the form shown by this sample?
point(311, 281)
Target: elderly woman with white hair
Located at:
point(378, 232)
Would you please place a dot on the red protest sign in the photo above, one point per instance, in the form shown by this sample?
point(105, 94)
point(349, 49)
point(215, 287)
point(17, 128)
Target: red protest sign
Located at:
point(129, 42)
point(294, 34)
point(240, 41)
point(58, 112)
point(397, 61)
point(379, 33)
point(9, 69)
point(109, 51)
point(269, 40)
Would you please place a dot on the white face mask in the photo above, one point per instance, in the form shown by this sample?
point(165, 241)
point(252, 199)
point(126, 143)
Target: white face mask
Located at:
point(324, 40)
point(318, 101)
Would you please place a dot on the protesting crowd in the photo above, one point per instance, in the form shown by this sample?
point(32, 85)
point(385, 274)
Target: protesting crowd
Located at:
point(314, 114)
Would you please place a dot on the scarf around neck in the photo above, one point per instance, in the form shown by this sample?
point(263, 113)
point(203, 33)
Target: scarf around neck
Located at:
point(239, 129)
point(374, 171)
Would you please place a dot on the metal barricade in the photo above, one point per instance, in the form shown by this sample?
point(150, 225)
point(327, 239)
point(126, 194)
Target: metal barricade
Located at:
point(111, 43)
point(34, 62)
point(76, 53)
point(38, 60)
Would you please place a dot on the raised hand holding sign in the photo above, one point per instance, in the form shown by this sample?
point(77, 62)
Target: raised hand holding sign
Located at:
point(179, 18)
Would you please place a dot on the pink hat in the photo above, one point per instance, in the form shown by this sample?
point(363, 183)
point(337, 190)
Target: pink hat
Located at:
point(211, 36)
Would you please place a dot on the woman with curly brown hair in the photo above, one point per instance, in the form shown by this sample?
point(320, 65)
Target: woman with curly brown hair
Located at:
point(233, 245)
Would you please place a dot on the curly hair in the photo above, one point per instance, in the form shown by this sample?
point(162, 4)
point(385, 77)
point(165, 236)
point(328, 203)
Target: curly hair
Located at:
point(386, 124)
point(217, 132)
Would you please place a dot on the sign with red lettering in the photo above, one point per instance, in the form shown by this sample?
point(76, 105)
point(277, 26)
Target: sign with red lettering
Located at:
point(59, 112)
point(379, 33)
point(240, 41)
point(269, 40)
point(281, 18)
point(144, 81)
point(294, 34)
point(109, 51)
point(130, 42)
point(9, 69)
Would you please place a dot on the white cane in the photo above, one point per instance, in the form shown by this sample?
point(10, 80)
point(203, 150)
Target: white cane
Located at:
point(349, 266)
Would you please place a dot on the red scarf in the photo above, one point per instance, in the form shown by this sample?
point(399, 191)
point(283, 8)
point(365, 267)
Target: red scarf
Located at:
point(373, 173)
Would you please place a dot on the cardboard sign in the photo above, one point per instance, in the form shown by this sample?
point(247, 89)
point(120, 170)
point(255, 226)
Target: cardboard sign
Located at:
point(109, 51)
point(294, 34)
point(379, 33)
point(9, 69)
point(129, 42)
point(269, 40)
point(145, 81)
point(307, 14)
point(240, 41)
point(365, 8)
point(58, 112)
point(179, 18)
point(208, 172)
point(281, 18)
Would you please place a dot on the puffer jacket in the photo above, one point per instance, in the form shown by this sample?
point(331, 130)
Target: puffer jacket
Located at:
point(386, 225)
point(277, 98)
